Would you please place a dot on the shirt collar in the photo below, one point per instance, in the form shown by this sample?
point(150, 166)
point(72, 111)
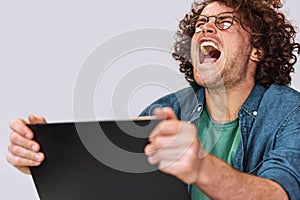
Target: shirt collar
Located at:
point(250, 106)
point(252, 102)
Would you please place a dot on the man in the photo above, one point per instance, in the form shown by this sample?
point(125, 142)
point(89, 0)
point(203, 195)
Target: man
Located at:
point(235, 133)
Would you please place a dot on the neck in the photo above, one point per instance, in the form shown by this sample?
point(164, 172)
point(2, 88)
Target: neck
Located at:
point(223, 104)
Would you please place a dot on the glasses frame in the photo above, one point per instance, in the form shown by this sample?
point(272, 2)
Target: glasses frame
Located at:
point(217, 21)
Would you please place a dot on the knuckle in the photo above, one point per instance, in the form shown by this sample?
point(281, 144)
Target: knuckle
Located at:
point(15, 150)
point(16, 161)
point(9, 146)
point(8, 158)
point(158, 142)
point(168, 109)
point(13, 136)
point(42, 119)
point(12, 123)
point(175, 126)
point(28, 144)
point(161, 143)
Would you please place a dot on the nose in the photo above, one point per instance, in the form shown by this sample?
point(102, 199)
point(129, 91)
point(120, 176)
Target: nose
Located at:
point(209, 27)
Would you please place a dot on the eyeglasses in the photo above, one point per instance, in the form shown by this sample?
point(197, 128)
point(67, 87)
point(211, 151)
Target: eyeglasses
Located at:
point(223, 21)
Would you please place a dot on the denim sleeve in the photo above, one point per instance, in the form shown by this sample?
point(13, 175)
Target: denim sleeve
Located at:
point(148, 111)
point(282, 163)
point(166, 101)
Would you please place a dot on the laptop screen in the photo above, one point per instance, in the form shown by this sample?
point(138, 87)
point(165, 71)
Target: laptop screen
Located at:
point(100, 160)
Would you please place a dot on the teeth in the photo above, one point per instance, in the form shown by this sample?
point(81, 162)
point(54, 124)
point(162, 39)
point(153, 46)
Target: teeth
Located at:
point(208, 46)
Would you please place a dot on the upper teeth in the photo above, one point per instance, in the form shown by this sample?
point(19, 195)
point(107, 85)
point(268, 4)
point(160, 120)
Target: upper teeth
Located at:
point(207, 46)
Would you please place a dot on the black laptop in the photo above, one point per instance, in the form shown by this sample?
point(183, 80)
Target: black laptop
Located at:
point(100, 160)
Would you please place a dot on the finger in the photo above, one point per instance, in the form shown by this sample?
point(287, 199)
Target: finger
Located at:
point(185, 154)
point(179, 131)
point(168, 156)
point(21, 152)
point(162, 142)
point(36, 119)
point(165, 113)
point(166, 127)
point(150, 150)
point(25, 170)
point(19, 140)
point(171, 137)
point(20, 162)
point(160, 113)
point(19, 126)
point(182, 137)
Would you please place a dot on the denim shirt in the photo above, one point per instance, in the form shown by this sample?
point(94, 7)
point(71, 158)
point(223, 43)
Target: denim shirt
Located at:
point(270, 127)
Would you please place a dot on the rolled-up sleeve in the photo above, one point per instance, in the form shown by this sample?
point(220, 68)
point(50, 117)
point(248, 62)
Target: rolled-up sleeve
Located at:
point(282, 164)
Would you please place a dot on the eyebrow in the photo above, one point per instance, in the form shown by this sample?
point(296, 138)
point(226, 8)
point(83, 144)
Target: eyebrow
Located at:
point(218, 13)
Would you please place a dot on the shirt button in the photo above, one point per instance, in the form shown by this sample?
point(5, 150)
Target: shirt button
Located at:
point(254, 113)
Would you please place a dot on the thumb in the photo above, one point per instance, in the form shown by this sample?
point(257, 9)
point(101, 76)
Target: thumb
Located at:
point(165, 113)
point(36, 119)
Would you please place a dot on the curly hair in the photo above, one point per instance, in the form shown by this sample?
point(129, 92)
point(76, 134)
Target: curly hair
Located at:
point(269, 31)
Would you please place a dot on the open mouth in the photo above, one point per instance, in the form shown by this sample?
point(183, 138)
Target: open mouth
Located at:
point(209, 52)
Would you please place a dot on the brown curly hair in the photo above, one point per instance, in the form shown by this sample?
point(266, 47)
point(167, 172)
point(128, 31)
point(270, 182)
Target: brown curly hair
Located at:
point(269, 31)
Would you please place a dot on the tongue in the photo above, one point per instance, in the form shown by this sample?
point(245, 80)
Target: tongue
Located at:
point(209, 60)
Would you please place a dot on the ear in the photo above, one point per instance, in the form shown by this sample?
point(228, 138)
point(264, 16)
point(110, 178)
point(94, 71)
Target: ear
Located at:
point(256, 54)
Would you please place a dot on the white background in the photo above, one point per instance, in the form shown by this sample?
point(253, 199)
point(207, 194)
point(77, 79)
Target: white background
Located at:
point(43, 45)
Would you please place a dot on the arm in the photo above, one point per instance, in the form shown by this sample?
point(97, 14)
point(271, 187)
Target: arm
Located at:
point(220, 181)
point(175, 147)
point(23, 151)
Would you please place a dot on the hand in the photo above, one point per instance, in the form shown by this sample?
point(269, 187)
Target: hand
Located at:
point(23, 151)
point(174, 146)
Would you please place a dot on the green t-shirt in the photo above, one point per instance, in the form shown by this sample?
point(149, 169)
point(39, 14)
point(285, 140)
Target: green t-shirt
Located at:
point(220, 140)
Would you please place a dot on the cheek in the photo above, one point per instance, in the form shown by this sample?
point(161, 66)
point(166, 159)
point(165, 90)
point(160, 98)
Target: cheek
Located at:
point(194, 49)
point(198, 79)
point(236, 41)
point(237, 49)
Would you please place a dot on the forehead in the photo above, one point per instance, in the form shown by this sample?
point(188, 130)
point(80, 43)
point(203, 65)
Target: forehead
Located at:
point(215, 8)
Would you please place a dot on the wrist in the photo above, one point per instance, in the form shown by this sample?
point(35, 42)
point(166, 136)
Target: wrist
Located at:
point(203, 177)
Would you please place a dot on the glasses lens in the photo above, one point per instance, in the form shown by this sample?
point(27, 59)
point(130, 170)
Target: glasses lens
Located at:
point(224, 21)
point(200, 22)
